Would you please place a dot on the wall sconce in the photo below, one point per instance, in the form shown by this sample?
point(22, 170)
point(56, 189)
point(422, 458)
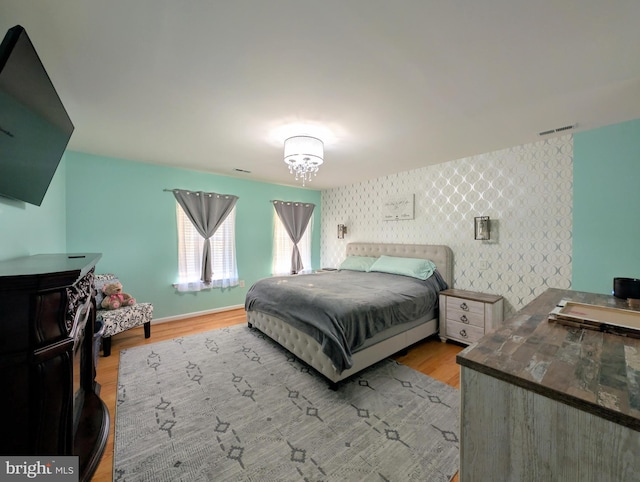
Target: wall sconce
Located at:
point(342, 230)
point(482, 229)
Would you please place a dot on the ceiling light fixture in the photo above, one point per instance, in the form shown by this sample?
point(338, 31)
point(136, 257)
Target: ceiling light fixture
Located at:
point(303, 155)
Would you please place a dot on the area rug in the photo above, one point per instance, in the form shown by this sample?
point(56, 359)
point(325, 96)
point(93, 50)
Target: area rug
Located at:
point(232, 405)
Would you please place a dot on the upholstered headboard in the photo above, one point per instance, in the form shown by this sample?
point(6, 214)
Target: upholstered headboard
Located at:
point(441, 255)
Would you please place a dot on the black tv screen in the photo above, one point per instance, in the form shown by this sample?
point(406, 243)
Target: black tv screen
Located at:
point(34, 125)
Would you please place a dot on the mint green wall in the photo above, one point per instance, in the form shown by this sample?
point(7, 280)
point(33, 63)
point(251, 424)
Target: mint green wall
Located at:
point(606, 215)
point(26, 229)
point(118, 208)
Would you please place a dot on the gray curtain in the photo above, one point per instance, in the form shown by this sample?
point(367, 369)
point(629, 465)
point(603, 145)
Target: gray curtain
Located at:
point(295, 216)
point(207, 211)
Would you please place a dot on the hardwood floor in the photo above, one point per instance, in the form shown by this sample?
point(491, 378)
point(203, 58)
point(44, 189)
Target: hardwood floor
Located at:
point(432, 357)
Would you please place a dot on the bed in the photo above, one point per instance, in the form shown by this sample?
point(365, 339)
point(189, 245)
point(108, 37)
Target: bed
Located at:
point(326, 334)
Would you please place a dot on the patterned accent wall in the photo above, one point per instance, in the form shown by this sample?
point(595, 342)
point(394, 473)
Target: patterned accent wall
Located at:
point(526, 190)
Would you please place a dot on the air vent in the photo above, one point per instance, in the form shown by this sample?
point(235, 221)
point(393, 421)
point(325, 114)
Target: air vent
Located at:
point(555, 131)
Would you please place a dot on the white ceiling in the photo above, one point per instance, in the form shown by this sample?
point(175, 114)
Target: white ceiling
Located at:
point(401, 84)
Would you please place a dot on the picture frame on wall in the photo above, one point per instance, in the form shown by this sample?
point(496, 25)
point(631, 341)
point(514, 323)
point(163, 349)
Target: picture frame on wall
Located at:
point(398, 207)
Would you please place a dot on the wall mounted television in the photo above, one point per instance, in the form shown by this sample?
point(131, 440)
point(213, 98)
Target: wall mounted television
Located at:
point(34, 126)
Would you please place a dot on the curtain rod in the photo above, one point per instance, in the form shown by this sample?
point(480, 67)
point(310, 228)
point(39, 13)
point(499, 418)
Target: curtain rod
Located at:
point(209, 193)
point(290, 202)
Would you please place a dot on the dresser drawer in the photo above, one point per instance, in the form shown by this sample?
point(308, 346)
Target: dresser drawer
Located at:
point(468, 312)
point(462, 332)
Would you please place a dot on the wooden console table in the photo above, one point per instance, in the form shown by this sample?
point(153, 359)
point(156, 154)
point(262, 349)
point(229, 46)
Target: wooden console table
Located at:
point(543, 401)
point(50, 402)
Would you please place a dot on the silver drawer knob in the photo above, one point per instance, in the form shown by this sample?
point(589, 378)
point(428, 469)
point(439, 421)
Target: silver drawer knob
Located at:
point(464, 306)
point(463, 333)
point(464, 319)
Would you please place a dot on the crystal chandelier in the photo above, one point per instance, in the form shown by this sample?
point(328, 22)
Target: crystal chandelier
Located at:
point(303, 155)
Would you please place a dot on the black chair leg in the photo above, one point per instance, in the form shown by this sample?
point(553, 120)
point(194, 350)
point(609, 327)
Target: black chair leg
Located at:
point(147, 329)
point(106, 346)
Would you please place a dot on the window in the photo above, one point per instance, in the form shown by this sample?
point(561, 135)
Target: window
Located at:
point(223, 254)
point(283, 247)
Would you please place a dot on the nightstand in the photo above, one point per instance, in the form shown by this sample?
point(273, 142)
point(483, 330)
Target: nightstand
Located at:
point(465, 316)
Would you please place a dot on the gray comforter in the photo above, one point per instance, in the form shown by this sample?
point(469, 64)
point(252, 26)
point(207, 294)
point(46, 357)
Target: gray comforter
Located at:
point(342, 309)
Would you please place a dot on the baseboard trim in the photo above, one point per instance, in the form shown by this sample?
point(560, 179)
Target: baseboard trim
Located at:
point(195, 313)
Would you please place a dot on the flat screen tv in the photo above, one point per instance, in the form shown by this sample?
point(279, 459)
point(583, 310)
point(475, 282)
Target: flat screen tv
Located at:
point(34, 125)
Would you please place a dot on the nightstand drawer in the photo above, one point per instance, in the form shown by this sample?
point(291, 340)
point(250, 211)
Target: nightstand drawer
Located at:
point(466, 306)
point(466, 317)
point(462, 332)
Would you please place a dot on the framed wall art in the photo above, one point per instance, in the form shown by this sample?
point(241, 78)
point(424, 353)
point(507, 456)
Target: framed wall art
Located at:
point(398, 207)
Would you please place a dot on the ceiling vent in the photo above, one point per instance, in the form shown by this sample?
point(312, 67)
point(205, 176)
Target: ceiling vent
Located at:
point(555, 131)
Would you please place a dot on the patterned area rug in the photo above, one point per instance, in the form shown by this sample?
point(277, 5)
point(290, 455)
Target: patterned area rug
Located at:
point(231, 404)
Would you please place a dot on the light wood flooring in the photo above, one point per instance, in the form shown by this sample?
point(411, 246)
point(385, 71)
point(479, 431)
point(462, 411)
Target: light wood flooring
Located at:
point(431, 357)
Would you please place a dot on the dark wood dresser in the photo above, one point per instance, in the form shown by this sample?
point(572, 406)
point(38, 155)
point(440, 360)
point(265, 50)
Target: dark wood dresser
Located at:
point(50, 400)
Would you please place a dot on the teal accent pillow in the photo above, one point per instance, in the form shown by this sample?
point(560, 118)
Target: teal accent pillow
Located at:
point(414, 267)
point(357, 263)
